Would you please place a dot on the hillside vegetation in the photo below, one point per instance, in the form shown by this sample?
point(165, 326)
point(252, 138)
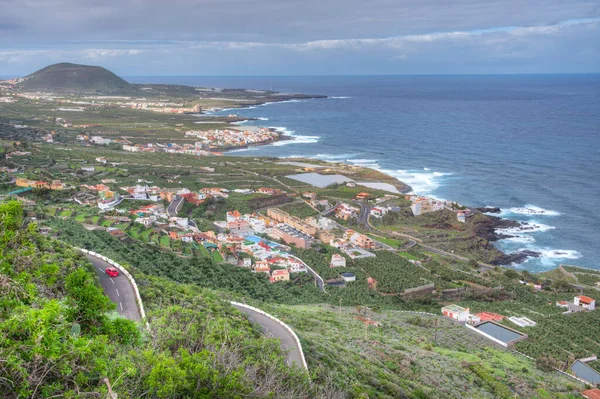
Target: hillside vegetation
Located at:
point(59, 336)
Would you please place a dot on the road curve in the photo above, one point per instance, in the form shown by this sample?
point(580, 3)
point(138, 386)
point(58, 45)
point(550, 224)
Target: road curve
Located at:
point(118, 289)
point(274, 329)
point(175, 206)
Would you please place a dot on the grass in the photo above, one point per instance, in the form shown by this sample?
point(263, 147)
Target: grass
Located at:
point(408, 256)
point(389, 241)
point(301, 210)
point(66, 213)
point(165, 241)
point(216, 255)
point(409, 353)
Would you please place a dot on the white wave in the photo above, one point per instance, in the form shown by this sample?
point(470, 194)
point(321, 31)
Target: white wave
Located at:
point(338, 97)
point(551, 257)
point(278, 102)
point(260, 118)
point(363, 161)
point(533, 210)
point(520, 239)
point(283, 130)
point(525, 228)
point(254, 148)
point(421, 182)
point(297, 139)
point(334, 156)
point(426, 169)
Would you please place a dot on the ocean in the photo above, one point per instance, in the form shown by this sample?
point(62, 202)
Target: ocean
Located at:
point(529, 144)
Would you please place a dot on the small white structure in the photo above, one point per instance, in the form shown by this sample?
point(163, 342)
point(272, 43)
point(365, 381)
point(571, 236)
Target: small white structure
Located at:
point(337, 260)
point(416, 208)
point(349, 276)
point(585, 302)
point(459, 313)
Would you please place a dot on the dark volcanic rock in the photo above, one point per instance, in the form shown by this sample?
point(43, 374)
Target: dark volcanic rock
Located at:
point(485, 226)
point(489, 209)
point(517, 257)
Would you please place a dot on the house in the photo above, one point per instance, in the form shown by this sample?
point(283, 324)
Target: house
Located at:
point(57, 185)
point(362, 196)
point(461, 217)
point(262, 267)
point(311, 196)
point(88, 168)
point(593, 393)
point(362, 241)
point(337, 260)
point(459, 313)
point(489, 316)
point(585, 302)
point(233, 216)
point(562, 304)
point(279, 275)
point(378, 212)
point(240, 228)
point(295, 266)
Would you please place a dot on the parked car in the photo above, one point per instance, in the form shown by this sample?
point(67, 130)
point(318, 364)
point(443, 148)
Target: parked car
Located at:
point(112, 272)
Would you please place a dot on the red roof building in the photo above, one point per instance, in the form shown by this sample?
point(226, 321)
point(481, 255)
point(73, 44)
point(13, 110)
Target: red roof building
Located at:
point(591, 393)
point(489, 316)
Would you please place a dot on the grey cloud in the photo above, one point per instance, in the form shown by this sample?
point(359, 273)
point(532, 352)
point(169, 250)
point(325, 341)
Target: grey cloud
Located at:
point(273, 20)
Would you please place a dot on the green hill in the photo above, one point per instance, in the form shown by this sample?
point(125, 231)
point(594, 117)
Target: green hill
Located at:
point(67, 77)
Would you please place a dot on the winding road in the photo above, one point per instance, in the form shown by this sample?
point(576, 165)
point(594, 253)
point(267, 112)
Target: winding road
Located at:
point(121, 292)
point(273, 329)
point(118, 289)
point(175, 206)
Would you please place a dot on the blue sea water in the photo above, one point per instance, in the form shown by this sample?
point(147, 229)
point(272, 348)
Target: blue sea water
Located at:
point(530, 141)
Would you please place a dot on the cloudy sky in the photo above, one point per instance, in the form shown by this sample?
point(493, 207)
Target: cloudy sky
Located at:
point(298, 37)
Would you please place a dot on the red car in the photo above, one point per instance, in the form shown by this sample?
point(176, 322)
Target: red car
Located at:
point(111, 271)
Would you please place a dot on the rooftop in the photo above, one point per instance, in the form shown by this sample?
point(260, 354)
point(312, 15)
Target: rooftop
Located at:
point(455, 308)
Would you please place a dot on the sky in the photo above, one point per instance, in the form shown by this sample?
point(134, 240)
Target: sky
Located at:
point(302, 37)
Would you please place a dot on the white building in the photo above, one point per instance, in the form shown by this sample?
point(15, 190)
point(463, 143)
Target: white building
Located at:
point(337, 260)
point(258, 226)
point(585, 302)
point(459, 313)
point(295, 266)
point(416, 208)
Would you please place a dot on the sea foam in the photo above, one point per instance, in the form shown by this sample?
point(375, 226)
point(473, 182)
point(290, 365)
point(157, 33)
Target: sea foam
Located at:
point(532, 210)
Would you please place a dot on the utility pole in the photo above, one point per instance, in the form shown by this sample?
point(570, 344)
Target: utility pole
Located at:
point(435, 331)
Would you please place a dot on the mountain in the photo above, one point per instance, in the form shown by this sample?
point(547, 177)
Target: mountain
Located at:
point(67, 77)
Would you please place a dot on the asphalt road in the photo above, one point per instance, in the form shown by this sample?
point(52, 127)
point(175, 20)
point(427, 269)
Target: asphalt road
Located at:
point(174, 206)
point(118, 289)
point(274, 329)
